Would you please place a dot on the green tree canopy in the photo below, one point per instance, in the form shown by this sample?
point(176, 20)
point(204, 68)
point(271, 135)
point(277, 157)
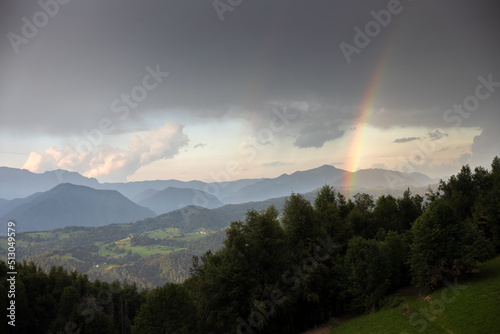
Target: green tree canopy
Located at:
point(168, 310)
point(444, 246)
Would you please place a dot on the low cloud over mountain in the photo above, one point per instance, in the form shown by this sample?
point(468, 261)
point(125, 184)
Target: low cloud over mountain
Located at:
point(93, 160)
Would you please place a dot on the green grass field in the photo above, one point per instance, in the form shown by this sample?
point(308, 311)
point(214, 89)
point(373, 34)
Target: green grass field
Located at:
point(141, 250)
point(162, 234)
point(120, 248)
point(468, 306)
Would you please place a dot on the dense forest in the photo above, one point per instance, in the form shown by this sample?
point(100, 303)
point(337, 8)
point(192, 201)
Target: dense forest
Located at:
point(170, 263)
point(283, 272)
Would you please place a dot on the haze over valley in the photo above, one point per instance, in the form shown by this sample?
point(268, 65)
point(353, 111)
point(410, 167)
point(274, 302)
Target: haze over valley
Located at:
point(60, 198)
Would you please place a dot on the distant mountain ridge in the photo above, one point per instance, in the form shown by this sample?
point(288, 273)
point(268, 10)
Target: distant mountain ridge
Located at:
point(9, 205)
point(172, 198)
point(18, 183)
point(377, 177)
point(74, 205)
point(285, 184)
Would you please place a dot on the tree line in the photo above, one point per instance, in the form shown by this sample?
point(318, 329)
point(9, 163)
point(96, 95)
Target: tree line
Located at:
point(283, 272)
point(59, 301)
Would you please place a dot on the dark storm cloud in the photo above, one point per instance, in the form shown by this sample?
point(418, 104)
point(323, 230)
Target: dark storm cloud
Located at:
point(486, 145)
point(437, 134)
point(317, 135)
point(405, 140)
point(66, 77)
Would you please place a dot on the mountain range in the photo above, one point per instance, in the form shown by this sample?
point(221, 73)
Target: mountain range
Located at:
point(60, 198)
point(172, 198)
point(20, 183)
point(72, 205)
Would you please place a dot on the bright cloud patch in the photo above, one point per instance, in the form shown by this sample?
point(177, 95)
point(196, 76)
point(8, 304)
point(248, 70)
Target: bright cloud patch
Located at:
point(116, 163)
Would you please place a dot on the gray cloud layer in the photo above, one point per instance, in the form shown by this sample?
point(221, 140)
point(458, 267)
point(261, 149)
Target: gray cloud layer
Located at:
point(405, 140)
point(66, 77)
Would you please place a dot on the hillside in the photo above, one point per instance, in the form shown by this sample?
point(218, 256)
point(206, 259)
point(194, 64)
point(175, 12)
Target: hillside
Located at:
point(298, 182)
point(148, 259)
point(4, 205)
point(376, 177)
point(133, 189)
point(172, 198)
point(9, 205)
point(72, 205)
point(140, 190)
point(144, 195)
point(312, 259)
point(186, 220)
point(468, 306)
point(162, 250)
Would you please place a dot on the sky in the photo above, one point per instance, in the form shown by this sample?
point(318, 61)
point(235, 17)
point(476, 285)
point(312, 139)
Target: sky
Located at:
point(125, 90)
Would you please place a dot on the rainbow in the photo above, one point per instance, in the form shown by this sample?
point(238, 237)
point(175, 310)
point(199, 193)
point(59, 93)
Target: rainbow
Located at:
point(355, 151)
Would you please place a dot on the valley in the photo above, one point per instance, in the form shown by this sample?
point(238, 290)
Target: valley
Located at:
point(249, 167)
point(70, 224)
point(372, 244)
point(117, 258)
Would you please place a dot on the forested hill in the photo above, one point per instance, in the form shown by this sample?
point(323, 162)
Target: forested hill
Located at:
point(76, 205)
point(283, 272)
point(149, 252)
point(288, 270)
